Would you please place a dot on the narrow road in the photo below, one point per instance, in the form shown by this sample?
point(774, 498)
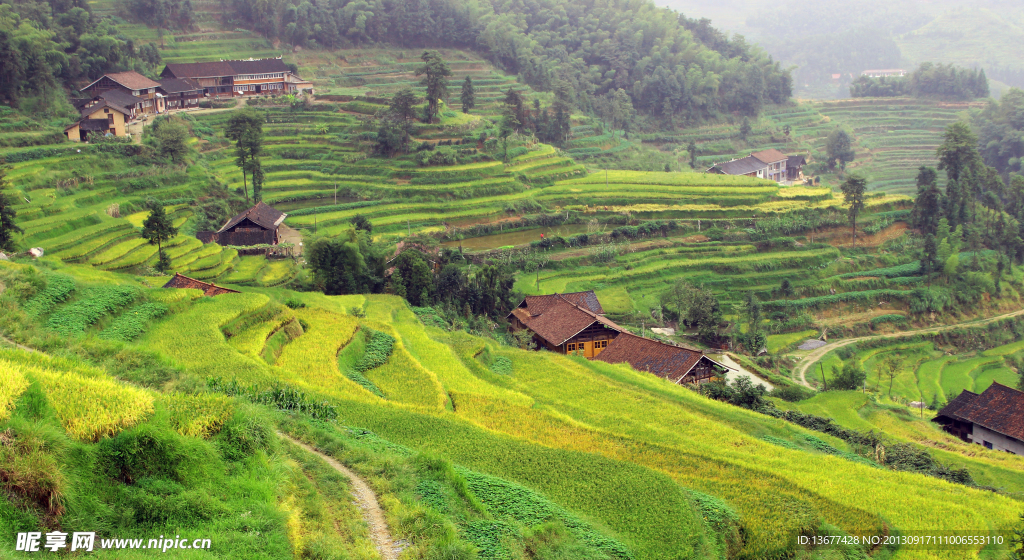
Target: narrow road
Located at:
point(817, 354)
point(367, 500)
point(732, 376)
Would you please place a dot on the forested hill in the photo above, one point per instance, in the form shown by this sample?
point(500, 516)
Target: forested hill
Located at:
point(584, 51)
point(826, 37)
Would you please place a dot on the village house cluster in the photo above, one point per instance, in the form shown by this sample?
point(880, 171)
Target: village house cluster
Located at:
point(116, 99)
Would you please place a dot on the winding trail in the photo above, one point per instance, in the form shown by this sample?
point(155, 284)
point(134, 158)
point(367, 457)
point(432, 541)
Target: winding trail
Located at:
point(818, 353)
point(6, 340)
point(367, 500)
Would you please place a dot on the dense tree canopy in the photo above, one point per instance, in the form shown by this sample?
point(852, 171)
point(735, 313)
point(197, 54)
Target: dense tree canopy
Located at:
point(929, 80)
point(668, 66)
point(1000, 128)
point(45, 45)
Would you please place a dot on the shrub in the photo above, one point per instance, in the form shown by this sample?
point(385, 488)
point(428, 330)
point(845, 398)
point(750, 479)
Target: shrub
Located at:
point(792, 393)
point(75, 317)
point(248, 431)
point(58, 289)
point(378, 349)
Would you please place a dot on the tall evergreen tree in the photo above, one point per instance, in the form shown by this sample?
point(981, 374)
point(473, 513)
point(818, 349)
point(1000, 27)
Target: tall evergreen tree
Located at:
point(468, 95)
point(853, 189)
point(245, 128)
point(435, 72)
point(958, 152)
point(156, 229)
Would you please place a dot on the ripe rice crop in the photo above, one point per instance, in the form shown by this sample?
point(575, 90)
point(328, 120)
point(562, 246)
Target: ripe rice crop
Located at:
point(91, 408)
point(313, 356)
point(199, 415)
point(117, 251)
point(133, 322)
point(12, 384)
point(403, 379)
point(192, 338)
point(679, 179)
point(73, 318)
point(92, 245)
point(58, 289)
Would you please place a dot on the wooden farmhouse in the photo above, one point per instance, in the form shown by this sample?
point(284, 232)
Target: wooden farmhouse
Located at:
point(766, 164)
point(229, 78)
point(993, 419)
point(180, 93)
point(574, 323)
point(184, 282)
point(133, 84)
point(99, 118)
point(256, 226)
point(794, 167)
point(566, 323)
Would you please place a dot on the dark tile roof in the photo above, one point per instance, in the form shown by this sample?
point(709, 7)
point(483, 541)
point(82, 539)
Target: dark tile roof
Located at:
point(259, 66)
point(118, 98)
point(769, 156)
point(179, 85)
point(181, 281)
point(224, 68)
point(796, 161)
point(130, 80)
point(645, 354)
point(538, 304)
point(953, 407)
point(260, 214)
point(741, 166)
point(197, 70)
point(999, 408)
point(558, 319)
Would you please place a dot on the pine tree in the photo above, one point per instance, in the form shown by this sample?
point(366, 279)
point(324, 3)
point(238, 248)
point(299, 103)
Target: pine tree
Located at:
point(468, 96)
point(156, 229)
point(435, 72)
point(853, 194)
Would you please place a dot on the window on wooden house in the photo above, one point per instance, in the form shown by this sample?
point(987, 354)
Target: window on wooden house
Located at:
point(571, 347)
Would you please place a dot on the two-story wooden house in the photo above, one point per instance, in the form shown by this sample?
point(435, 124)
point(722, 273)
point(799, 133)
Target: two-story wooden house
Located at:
point(98, 117)
point(566, 323)
point(227, 78)
point(133, 84)
point(774, 162)
point(180, 93)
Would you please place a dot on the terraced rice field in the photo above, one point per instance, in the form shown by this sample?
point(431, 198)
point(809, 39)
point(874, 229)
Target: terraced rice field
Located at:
point(925, 373)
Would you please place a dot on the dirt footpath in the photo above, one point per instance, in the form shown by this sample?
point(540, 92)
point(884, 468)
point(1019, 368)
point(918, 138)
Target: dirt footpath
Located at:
point(367, 500)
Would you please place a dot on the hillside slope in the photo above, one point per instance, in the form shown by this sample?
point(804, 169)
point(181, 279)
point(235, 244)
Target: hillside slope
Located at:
point(624, 450)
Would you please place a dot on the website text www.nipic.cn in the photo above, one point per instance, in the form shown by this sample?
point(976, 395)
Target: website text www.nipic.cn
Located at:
point(87, 542)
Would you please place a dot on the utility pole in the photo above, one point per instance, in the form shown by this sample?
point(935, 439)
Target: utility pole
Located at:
point(823, 382)
point(314, 220)
point(335, 194)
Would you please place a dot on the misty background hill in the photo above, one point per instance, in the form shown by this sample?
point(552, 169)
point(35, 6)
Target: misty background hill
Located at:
point(823, 38)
